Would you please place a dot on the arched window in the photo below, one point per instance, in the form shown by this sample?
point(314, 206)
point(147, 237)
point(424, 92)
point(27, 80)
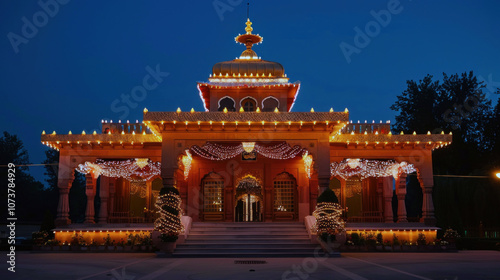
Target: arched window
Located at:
point(226, 102)
point(285, 188)
point(249, 105)
point(213, 193)
point(269, 104)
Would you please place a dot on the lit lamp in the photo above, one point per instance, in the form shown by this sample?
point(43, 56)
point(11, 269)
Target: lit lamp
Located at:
point(498, 175)
point(248, 146)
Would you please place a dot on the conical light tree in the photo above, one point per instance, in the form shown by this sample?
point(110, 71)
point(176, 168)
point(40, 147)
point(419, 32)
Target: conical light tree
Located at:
point(168, 205)
point(328, 216)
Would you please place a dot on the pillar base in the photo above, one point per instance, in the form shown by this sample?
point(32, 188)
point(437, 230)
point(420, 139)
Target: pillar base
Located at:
point(431, 221)
point(62, 222)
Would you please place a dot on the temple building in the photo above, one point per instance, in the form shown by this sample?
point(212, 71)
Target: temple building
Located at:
point(247, 158)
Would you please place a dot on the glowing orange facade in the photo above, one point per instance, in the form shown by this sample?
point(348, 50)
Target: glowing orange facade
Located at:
point(247, 157)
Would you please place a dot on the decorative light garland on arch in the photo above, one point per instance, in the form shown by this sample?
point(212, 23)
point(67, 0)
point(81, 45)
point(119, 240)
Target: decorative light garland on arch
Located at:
point(128, 169)
point(370, 168)
point(214, 151)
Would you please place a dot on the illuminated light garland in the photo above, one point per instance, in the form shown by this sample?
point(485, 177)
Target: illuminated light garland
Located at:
point(214, 151)
point(186, 161)
point(328, 219)
point(127, 169)
point(141, 162)
point(370, 168)
point(168, 223)
point(308, 162)
point(138, 186)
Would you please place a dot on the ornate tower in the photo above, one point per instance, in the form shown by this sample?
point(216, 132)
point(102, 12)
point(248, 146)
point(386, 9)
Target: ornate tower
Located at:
point(248, 83)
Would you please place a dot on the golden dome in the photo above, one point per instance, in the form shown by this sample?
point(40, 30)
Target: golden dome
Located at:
point(247, 67)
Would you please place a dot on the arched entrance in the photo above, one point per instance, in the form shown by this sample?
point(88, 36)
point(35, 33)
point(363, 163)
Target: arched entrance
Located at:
point(248, 201)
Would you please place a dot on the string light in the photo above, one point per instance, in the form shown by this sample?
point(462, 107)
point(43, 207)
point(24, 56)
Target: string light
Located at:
point(370, 168)
point(328, 219)
point(308, 162)
point(214, 151)
point(169, 223)
point(186, 161)
point(127, 169)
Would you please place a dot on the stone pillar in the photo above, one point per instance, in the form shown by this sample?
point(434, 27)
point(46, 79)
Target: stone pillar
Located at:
point(90, 192)
point(64, 186)
point(104, 195)
point(323, 164)
point(401, 194)
point(426, 183)
point(112, 190)
point(380, 196)
point(388, 215)
point(168, 161)
point(66, 175)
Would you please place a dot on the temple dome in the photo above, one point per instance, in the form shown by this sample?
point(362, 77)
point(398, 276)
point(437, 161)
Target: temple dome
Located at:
point(242, 67)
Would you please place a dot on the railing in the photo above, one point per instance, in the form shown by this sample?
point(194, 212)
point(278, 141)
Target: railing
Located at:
point(360, 128)
point(126, 128)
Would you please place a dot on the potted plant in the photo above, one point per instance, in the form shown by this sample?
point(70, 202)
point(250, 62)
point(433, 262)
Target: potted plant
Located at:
point(405, 246)
point(93, 246)
point(76, 241)
point(421, 241)
point(120, 245)
point(396, 245)
point(379, 246)
point(130, 243)
point(146, 242)
point(108, 243)
point(451, 237)
point(167, 243)
point(387, 246)
point(371, 242)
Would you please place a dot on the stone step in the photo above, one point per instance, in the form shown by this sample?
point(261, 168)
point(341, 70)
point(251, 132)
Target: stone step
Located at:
point(243, 255)
point(244, 245)
point(248, 241)
point(237, 232)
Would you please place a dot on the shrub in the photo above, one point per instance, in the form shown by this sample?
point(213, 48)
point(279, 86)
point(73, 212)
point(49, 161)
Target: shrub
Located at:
point(421, 240)
point(328, 196)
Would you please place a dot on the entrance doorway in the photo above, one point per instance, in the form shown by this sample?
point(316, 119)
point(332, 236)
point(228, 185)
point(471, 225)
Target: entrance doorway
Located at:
point(248, 201)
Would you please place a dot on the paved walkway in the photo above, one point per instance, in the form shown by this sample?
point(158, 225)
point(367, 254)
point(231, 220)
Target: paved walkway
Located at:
point(358, 266)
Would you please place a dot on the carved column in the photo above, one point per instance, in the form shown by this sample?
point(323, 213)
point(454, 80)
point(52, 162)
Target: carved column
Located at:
point(112, 190)
point(401, 194)
point(388, 215)
point(64, 186)
point(426, 183)
point(66, 175)
point(380, 196)
point(104, 195)
point(90, 191)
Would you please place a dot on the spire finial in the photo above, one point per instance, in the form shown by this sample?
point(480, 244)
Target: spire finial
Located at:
point(248, 9)
point(249, 28)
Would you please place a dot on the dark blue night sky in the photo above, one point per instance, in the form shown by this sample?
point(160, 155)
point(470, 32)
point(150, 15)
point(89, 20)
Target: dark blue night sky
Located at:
point(89, 53)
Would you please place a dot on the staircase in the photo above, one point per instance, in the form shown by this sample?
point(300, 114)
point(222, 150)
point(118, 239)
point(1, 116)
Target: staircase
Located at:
point(246, 240)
